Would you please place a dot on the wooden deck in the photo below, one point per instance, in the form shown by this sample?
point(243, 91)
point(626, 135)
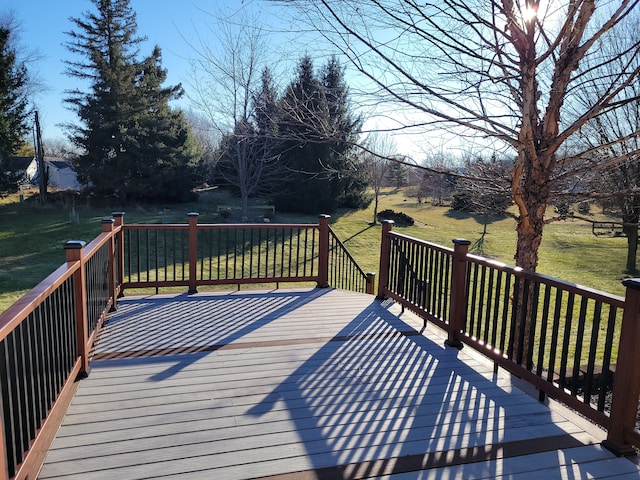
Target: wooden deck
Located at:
point(305, 384)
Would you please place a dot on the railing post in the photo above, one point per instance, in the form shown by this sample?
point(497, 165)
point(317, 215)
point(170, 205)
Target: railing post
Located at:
point(107, 227)
point(385, 251)
point(371, 283)
point(458, 291)
point(626, 384)
point(323, 251)
point(193, 252)
point(74, 251)
point(118, 218)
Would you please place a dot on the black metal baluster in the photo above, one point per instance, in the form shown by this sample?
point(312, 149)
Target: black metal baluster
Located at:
point(606, 377)
point(543, 331)
point(593, 343)
point(496, 309)
point(533, 318)
point(553, 351)
point(577, 359)
point(505, 338)
point(566, 339)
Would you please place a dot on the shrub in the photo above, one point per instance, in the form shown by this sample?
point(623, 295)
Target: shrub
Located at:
point(401, 219)
point(584, 207)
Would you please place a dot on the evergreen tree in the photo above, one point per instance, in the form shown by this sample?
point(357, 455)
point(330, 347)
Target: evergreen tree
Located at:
point(350, 182)
point(305, 149)
point(248, 156)
point(13, 106)
point(398, 174)
point(267, 145)
point(132, 143)
point(265, 106)
point(162, 163)
point(317, 132)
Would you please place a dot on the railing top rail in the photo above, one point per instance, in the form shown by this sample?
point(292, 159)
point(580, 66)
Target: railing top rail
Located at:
point(221, 226)
point(609, 298)
point(17, 312)
point(96, 244)
point(344, 248)
point(258, 225)
point(410, 239)
point(151, 226)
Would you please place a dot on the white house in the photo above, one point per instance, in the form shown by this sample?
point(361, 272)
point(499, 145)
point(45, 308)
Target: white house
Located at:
point(61, 174)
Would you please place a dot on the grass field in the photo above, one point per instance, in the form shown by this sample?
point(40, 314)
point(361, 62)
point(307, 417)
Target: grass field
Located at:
point(32, 237)
point(569, 250)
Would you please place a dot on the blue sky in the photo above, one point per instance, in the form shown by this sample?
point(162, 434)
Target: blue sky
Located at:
point(171, 24)
point(163, 22)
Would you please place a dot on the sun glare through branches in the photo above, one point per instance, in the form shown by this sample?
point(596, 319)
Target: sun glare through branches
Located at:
point(529, 14)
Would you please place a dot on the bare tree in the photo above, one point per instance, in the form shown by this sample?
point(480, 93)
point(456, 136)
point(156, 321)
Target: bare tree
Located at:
point(380, 148)
point(439, 179)
point(619, 182)
point(503, 70)
point(225, 70)
point(26, 57)
point(225, 80)
point(59, 147)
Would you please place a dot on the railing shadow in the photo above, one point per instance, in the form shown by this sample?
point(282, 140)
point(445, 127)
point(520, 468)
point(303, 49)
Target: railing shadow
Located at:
point(379, 399)
point(374, 398)
point(358, 233)
point(172, 325)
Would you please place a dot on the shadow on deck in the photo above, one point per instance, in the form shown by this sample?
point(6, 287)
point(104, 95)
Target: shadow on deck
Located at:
point(305, 384)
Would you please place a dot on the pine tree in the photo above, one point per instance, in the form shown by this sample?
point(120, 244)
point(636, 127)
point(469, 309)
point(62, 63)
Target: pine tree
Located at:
point(318, 132)
point(163, 161)
point(398, 174)
point(248, 156)
point(13, 106)
point(265, 106)
point(350, 182)
point(132, 143)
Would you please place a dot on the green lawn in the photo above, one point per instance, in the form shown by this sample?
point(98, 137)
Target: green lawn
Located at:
point(32, 237)
point(569, 250)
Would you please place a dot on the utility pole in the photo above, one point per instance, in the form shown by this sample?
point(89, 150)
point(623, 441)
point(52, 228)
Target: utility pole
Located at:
point(43, 177)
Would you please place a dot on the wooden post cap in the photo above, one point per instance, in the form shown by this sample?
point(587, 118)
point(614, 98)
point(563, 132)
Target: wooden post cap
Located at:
point(461, 241)
point(74, 244)
point(633, 283)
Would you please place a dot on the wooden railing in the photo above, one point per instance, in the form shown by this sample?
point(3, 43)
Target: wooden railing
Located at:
point(575, 344)
point(46, 337)
point(343, 270)
point(572, 343)
point(194, 255)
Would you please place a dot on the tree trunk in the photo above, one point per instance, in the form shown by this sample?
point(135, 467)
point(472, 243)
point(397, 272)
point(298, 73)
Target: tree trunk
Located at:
point(375, 206)
point(245, 207)
point(43, 178)
point(631, 230)
point(531, 195)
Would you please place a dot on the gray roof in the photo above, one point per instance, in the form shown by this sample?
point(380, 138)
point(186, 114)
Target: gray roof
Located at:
point(15, 163)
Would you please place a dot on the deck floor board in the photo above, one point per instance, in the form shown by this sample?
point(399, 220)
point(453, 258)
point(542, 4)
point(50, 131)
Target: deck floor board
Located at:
point(304, 384)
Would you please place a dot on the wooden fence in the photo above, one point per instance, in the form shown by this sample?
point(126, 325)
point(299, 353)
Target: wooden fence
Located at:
point(575, 344)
